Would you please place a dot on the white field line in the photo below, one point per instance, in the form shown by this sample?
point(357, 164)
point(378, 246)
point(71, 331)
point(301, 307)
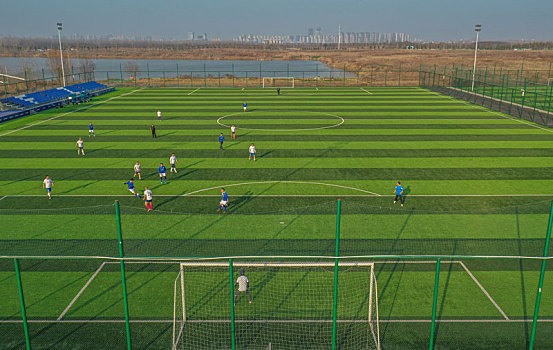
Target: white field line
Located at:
point(81, 292)
point(483, 290)
point(64, 114)
point(194, 91)
point(287, 195)
point(489, 111)
point(368, 92)
point(283, 321)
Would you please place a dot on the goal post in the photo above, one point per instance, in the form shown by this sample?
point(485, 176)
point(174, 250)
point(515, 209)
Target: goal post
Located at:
point(271, 82)
point(291, 305)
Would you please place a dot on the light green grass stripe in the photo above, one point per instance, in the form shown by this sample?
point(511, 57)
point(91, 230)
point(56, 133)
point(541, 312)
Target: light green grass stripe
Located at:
point(290, 111)
point(284, 145)
point(371, 121)
point(224, 107)
point(385, 187)
point(268, 130)
point(373, 226)
point(277, 163)
point(337, 102)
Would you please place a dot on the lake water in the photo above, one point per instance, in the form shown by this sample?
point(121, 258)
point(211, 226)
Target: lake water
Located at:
point(157, 68)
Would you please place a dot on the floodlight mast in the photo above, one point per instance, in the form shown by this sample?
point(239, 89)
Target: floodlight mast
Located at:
point(477, 29)
point(61, 54)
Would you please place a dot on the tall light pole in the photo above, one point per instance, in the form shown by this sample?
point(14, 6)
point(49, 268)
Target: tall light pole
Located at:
point(61, 54)
point(477, 29)
point(339, 36)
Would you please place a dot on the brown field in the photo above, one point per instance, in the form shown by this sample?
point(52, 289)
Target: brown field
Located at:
point(355, 59)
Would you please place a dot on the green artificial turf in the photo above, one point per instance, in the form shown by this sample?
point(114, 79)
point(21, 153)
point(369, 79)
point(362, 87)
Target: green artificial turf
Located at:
point(476, 183)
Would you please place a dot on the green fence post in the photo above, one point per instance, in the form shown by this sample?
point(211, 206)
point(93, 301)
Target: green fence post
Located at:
point(121, 71)
point(246, 78)
point(434, 77)
point(260, 73)
point(148, 70)
point(386, 78)
point(22, 302)
point(337, 253)
point(523, 97)
point(344, 74)
point(372, 76)
point(485, 83)
point(435, 304)
point(399, 76)
point(232, 325)
point(123, 279)
point(26, 82)
point(542, 276)
point(191, 82)
point(233, 75)
point(163, 78)
point(205, 77)
point(535, 103)
point(219, 74)
point(178, 84)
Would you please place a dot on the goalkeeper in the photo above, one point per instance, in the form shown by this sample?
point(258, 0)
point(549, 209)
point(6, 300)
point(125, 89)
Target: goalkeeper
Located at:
point(243, 286)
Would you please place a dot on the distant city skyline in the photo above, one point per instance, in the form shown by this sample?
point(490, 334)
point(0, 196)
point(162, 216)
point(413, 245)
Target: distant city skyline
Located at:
point(428, 20)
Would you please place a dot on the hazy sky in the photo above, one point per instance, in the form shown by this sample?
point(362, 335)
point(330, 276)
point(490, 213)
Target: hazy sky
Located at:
point(426, 19)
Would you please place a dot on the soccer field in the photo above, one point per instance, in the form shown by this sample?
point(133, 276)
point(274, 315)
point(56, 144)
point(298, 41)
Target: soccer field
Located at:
point(476, 182)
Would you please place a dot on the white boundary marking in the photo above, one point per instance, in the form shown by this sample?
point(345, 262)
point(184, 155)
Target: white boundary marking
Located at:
point(368, 92)
point(64, 114)
point(483, 289)
point(3, 198)
point(81, 291)
point(283, 130)
point(194, 91)
point(488, 110)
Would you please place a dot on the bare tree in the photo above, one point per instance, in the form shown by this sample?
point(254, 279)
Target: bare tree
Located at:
point(131, 67)
point(54, 63)
point(27, 68)
point(86, 69)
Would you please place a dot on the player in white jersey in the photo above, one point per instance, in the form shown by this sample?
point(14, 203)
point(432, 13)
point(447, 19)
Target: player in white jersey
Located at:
point(252, 152)
point(148, 199)
point(80, 146)
point(159, 115)
point(173, 161)
point(47, 184)
point(243, 286)
point(137, 170)
point(233, 132)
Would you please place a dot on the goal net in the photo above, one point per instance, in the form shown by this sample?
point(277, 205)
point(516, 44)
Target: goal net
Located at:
point(287, 82)
point(291, 306)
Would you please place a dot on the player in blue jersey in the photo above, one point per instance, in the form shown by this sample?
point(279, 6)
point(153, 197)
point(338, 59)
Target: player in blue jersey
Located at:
point(91, 130)
point(221, 140)
point(399, 193)
point(130, 184)
point(162, 173)
point(224, 201)
point(245, 106)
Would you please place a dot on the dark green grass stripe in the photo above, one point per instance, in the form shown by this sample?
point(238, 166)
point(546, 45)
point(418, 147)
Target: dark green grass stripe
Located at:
point(306, 174)
point(286, 153)
point(260, 138)
point(267, 247)
point(230, 109)
point(334, 104)
point(288, 205)
point(291, 126)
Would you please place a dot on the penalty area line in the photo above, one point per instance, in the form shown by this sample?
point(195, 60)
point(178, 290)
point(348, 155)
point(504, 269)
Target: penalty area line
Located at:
point(81, 291)
point(368, 92)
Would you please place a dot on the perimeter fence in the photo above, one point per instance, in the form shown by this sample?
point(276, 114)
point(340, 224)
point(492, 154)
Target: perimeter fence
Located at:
point(178, 77)
point(525, 95)
point(74, 282)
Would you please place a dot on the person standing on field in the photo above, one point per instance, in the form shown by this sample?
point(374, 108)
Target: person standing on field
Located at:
point(137, 170)
point(48, 184)
point(245, 106)
point(173, 161)
point(233, 132)
point(221, 140)
point(399, 193)
point(148, 199)
point(252, 152)
point(80, 146)
point(153, 130)
point(158, 115)
point(243, 286)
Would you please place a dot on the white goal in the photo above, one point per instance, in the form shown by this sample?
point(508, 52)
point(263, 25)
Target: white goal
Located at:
point(271, 82)
point(288, 305)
